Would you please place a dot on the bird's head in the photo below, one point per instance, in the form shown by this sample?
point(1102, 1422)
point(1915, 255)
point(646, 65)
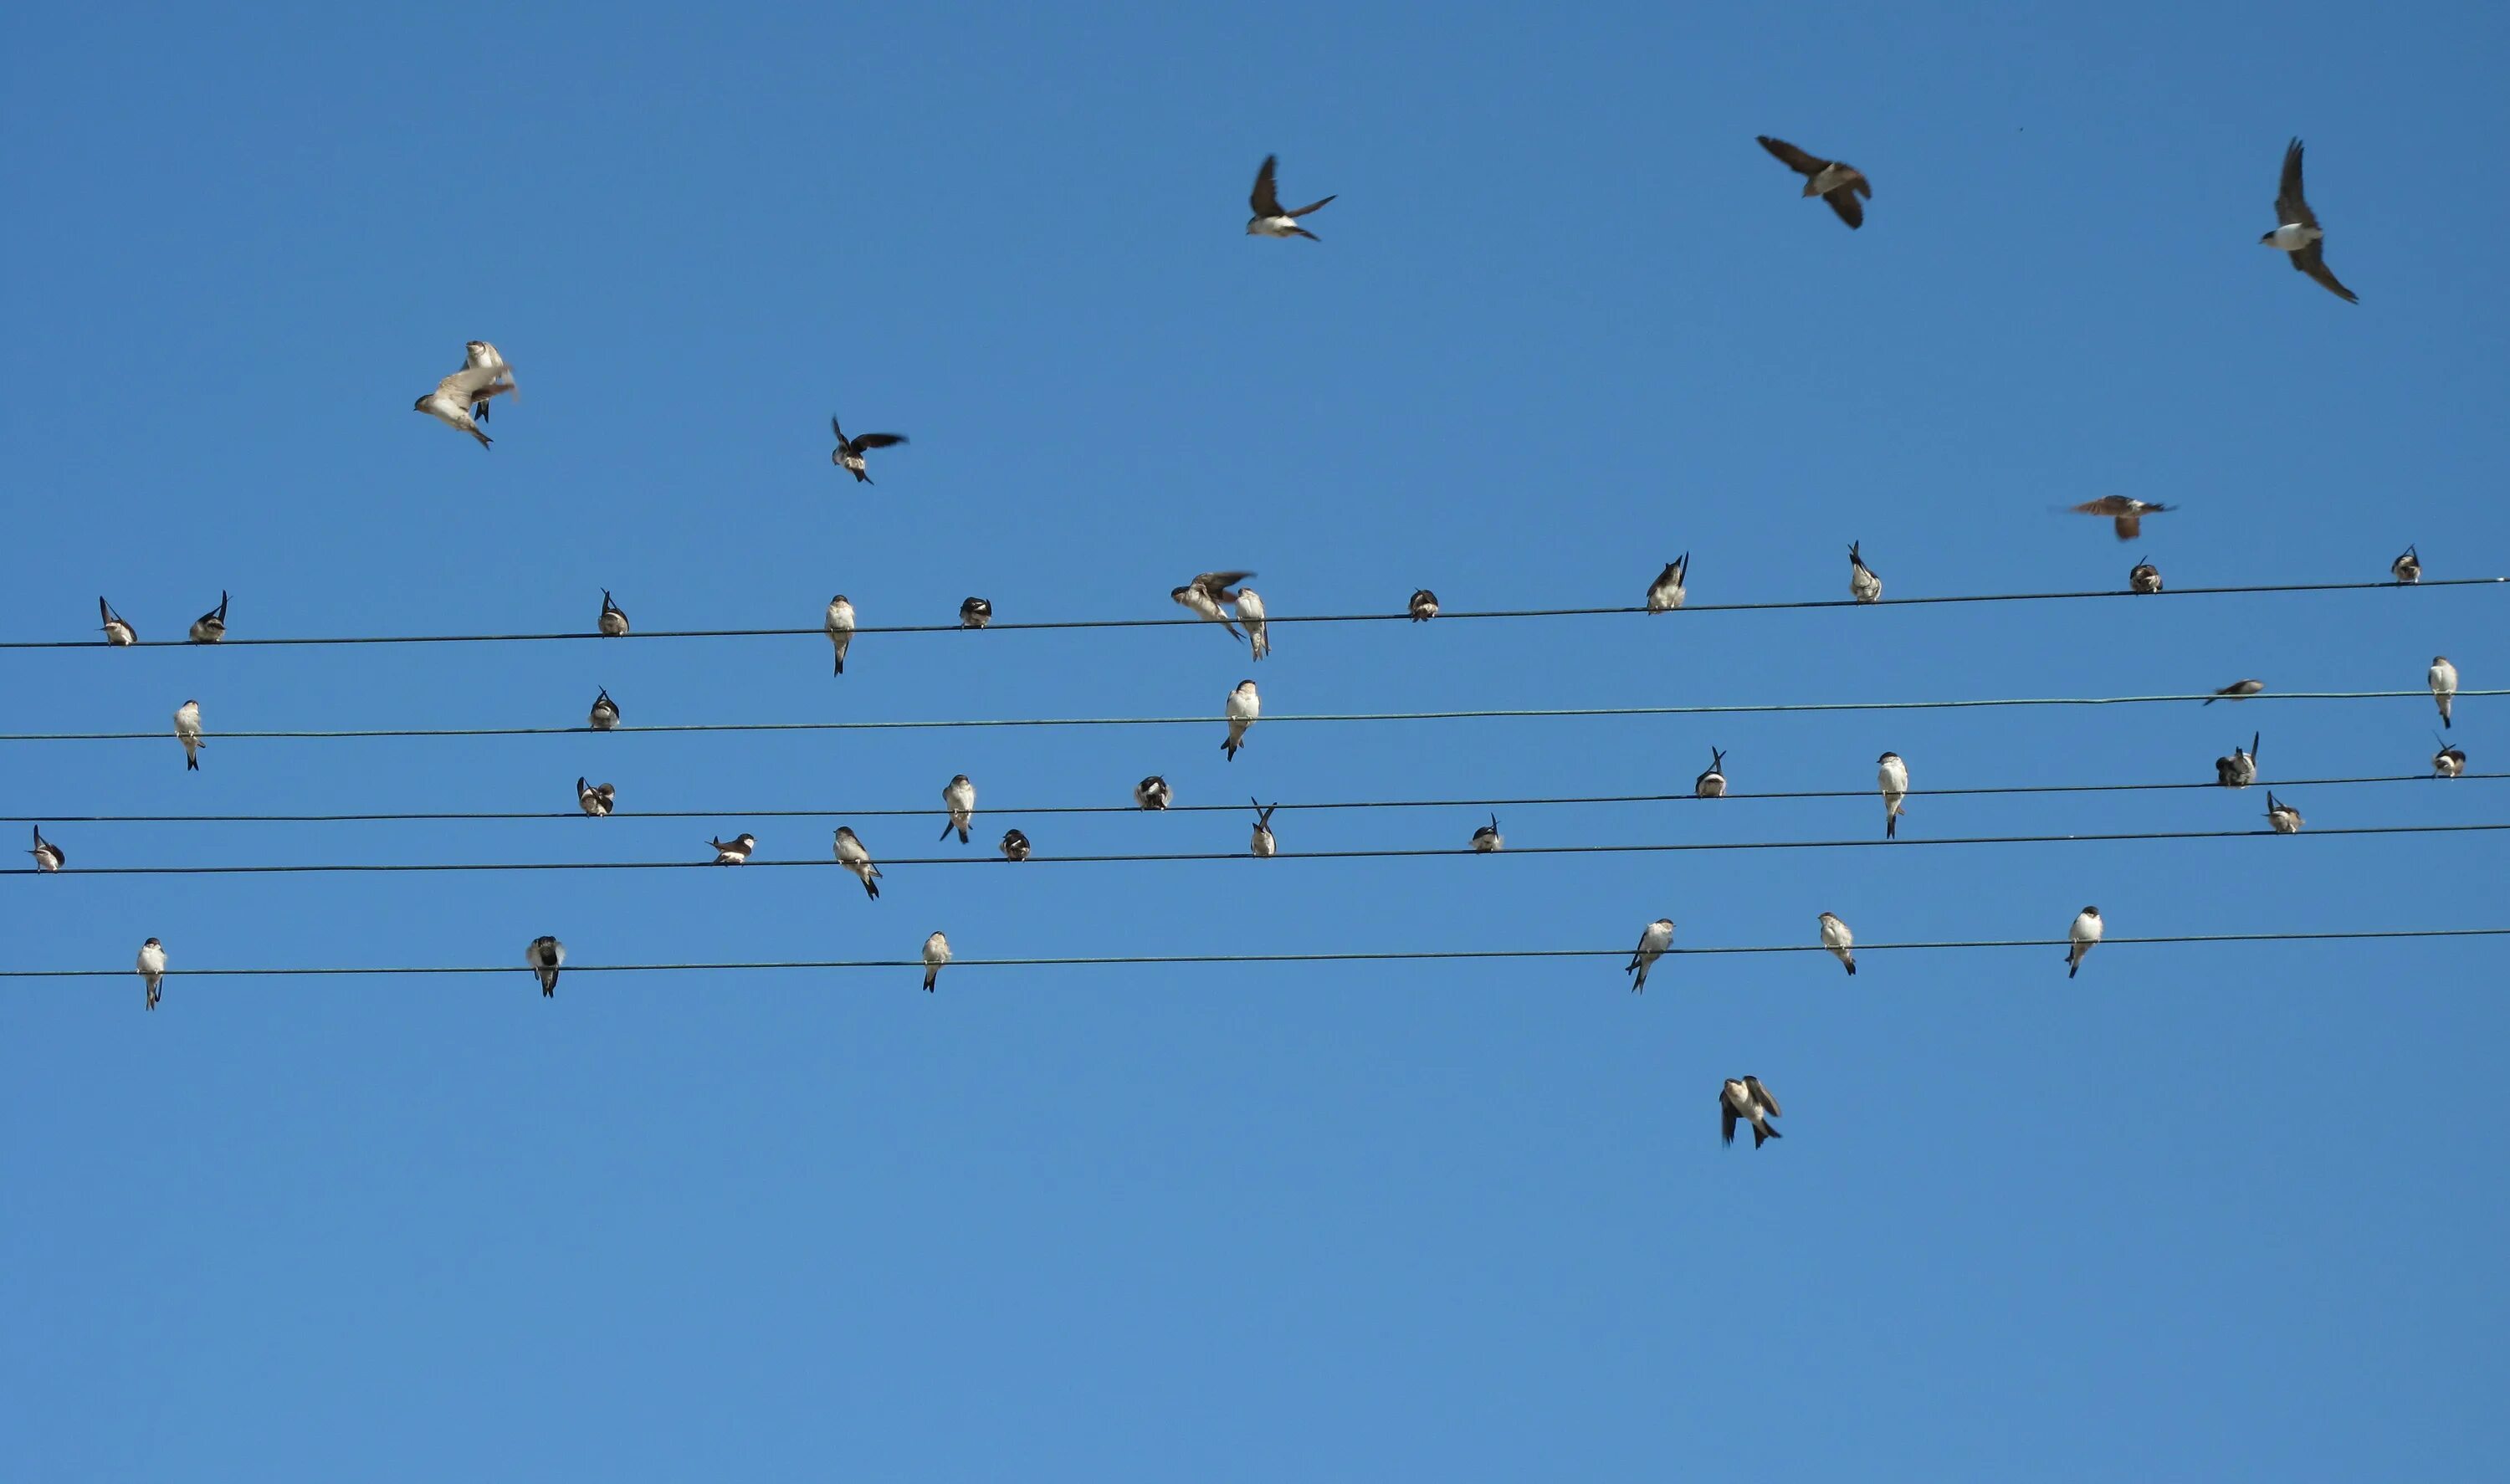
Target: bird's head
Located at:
point(1255, 226)
point(419, 405)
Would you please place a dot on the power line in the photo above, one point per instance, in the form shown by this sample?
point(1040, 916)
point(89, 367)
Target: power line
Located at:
point(1400, 616)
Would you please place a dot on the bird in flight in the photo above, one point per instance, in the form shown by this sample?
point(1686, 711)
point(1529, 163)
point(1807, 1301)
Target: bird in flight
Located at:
point(1747, 1101)
point(1270, 220)
point(2126, 512)
point(481, 355)
point(2297, 231)
point(849, 452)
point(1833, 180)
point(456, 395)
point(1209, 595)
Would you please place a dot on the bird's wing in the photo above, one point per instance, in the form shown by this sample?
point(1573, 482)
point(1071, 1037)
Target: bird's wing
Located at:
point(836, 428)
point(1844, 202)
point(1726, 1117)
point(2312, 261)
point(1763, 1093)
point(1803, 162)
point(2290, 205)
point(879, 439)
point(1310, 207)
point(2106, 505)
point(1217, 583)
point(1266, 199)
point(464, 385)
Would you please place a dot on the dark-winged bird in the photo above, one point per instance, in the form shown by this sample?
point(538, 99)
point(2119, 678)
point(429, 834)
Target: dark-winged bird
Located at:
point(2298, 232)
point(1270, 220)
point(1833, 180)
point(849, 452)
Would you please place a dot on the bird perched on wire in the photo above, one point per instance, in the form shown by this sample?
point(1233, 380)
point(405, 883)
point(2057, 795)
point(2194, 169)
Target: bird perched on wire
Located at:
point(1262, 843)
point(187, 731)
point(614, 619)
point(2125, 514)
point(2240, 769)
point(848, 455)
point(49, 856)
point(455, 398)
point(936, 952)
point(2448, 763)
point(2297, 231)
point(605, 713)
point(976, 613)
point(2144, 578)
point(1893, 775)
point(958, 796)
point(1666, 593)
point(2443, 678)
point(211, 628)
point(1014, 845)
point(2082, 938)
point(1863, 583)
point(1209, 595)
point(1747, 1101)
point(152, 969)
point(2237, 690)
point(1251, 612)
point(1654, 939)
point(116, 632)
point(2282, 817)
point(1153, 792)
point(595, 799)
point(1833, 180)
point(1243, 708)
point(543, 958)
point(1424, 607)
point(734, 852)
point(853, 857)
point(1841, 942)
point(1488, 839)
point(2407, 568)
point(840, 628)
point(1270, 220)
point(1711, 784)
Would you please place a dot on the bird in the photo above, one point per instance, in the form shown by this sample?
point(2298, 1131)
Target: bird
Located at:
point(1841, 942)
point(2082, 938)
point(1015, 845)
point(734, 852)
point(2407, 568)
point(853, 857)
point(117, 632)
point(152, 969)
point(2144, 578)
point(936, 952)
point(2237, 690)
point(1711, 784)
point(454, 397)
point(49, 856)
point(2442, 678)
point(543, 958)
point(1831, 181)
point(976, 613)
point(958, 796)
point(187, 729)
point(1893, 775)
point(595, 799)
point(1654, 939)
point(1666, 593)
point(2125, 513)
point(1863, 583)
point(2281, 816)
point(2448, 763)
point(1245, 706)
point(605, 713)
point(2297, 229)
point(1263, 844)
point(1251, 612)
point(2240, 769)
point(1153, 792)
point(1206, 594)
point(1424, 607)
point(614, 619)
point(481, 355)
point(212, 626)
point(1749, 1102)
point(840, 628)
point(1270, 220)
point(849, 452)
point(1488, 839)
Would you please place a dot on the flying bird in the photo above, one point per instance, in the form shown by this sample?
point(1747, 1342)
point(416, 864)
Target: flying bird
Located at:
point(849, 452)
point(2281, 816)
point(2125, 513)
point(2442, 678)
point(958, 796)
point(595, 799)
point(1666, 593)
point(2407, 568)
point(853, 857)
point(1244, 706)
point(1711, 784)
point(605, 713)
point(976, 613)
point(2237, 690)
point(936, 952)
point(840, 628)
point(212, 626)
point(116, 632)
point(481, 355)
point(2082, 938)
point(1153, 792)
point(1015, 845)
point(1208, 593)
point(1833, 180)
point(2448, 763)
point(2146, 578)
point(454, 397)
point(2240, 769)
point(1270, 220)
point(2298, 232)
point(187, 730)
point(1841, 942)
point(543, 958)
point(614, 619)
point(1653, 941)
point(1263, 844)
point(1488, 840)
point(1863, 585)
point(49, 856)
point(1749, 1102)
point(1893, 775)
point(1251, 612)
point(1423, 605)
point(734, 852)
point(152, 969)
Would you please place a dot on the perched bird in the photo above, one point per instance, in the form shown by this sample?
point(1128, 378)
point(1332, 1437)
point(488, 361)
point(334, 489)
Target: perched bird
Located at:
point(2081, 938)
point(187, 730)
point(976, 613)
point(605, 713)
point(595, 799)
point(840, 628)
point(1270, 220)
point(1263, 844)
point(212, 626)
point(1893, 775)
point(454, 397)
point(1711, 784)
point(2283, 817)
point(958, 796)
point(152, 969)
point(1653, 941)
point(614, 619)
point(49, 856)
point(116, 632)
point(1207, 594)
point(1424, 605)
point(1251, 612)
point(481, 355)
point(1015, 845)
point(1488, 839)
point(1863, 583)
point(2297, 231)
point(2240, 769)
point(543, 958)
point(1749, 1102)
point(1153, 792)
point(2146, 578)
point(1831, 181)
point(2125, 514)
point(1245, 706)
point(936, 952)
point(2407, 568)
point(2442, 678)
point(2448, 763)
point(734, 852)
point(2237, 690)
point(1841, 942)
point(849, 452)
point(1666, 593)
point(853, 857)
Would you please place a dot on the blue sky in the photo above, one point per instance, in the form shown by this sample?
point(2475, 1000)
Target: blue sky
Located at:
point(2201, 1211)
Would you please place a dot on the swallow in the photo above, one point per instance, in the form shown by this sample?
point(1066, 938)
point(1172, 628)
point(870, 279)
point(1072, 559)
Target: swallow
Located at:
point(1153, 792)
point(1015, 845)
point(958, 796)
point(49, 856)
point(454, 397)
point(2283, 817)
point(1893, 775)
point(152, 969)
point(2240, 769)
point(212, 626)
point(976, 613)
point(1653, 941)
point(1749, 1102)
point(481, 355)
point(1488, 839)
point(2237, 690)
point(2448, 763)
point(1208, 593)
point(614, 619)
point(187, 729)
point(853, 857)
point(2144, 578)
point(1833, 180)
point(2407, 568)
point(1424, 605)
point(1245, 706)
point(1711, 784)
point(605, 713)
point(1251, 612)
point(936, 952)
point(116, 632)
point(595, 799)
point(849, 452)
point(1841, 942)
point(2296, 230)
point(1263, 844)
point(1666, 593)
point(736, 850)
point(1270, 220)
point(840, 628)
point(2081, 938)
point(2125, 512)
point(543, 958)
point(1863, 585)
point(2442, 678)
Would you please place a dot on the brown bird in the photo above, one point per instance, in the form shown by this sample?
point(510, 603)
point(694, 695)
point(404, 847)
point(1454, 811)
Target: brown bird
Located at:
point(2298, 232)
point(1833, 180)
point(2126, 513)
point(849, 452)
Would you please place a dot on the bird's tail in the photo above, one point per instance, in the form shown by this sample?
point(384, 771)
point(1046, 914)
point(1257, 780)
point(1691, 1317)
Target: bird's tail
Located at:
point(1851, 962)
point(929, 974)
point(2073, 961)
point(1229, 749)
point(872, 888)
point(963, 834)
point(191, 761)
point(1892, 826)
point(484, 440)
point(945, 830)
point(1762, 1134)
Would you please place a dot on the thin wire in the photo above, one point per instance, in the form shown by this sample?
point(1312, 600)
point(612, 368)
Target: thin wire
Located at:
point(929, 811)
point(1397, 956)
point(1444, 616)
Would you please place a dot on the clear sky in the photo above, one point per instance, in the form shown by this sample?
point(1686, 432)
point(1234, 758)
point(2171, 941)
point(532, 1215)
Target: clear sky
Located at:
point(2207, 1211)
